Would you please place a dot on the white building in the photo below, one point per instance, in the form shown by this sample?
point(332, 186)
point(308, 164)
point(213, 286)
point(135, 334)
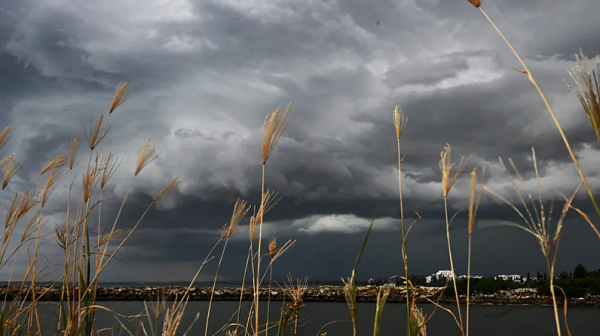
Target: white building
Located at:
point(439, 275)
point(461, 277)
point(513, 277)
point(443, 274)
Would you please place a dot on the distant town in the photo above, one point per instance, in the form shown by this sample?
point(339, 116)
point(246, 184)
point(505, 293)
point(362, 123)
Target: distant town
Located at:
point(442, 276)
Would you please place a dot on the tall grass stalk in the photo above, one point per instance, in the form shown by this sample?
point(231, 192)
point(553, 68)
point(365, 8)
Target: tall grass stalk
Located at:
point(272, 250)
point(273, 129)
point(477, 3)
point(540, 225)
point(350, 283)
point(240, 210)
point(400, 122)
point(450, 174)
point(473, 206)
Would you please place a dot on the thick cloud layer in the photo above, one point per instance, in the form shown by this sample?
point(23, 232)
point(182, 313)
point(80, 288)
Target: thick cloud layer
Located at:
point(206, 73)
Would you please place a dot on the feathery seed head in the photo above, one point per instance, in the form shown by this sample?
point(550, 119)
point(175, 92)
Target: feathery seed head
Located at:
point(12, 211)
point(29, 200)
point(400, 121)
point(474, 204)
point(55, 162)
point(73, 154)
point(145, 156)
point(109, 166)
point(472, 200)
point(270, 200)
point(239, 212)
point(169, 186)
point(61, 237)
point(9, 167)
point(90, 180)
point(273, 129)
point(5, 161)
point(31, 225)
point(450, 175)
point(476, 3)
point(121, 95)
point(19, 207)
point(296, 291)
point(277, 253)
point(110, 237)
point(4, 135)
point(587, 91)
point(94, 137)
point(536, 218)
point(253, 225)
point(272, 246)
point(53, 177)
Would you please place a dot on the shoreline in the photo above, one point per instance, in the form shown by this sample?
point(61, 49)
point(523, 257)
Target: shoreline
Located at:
point(312, 294)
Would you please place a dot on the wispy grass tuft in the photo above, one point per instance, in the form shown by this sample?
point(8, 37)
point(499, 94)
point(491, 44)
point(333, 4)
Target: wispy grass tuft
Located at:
point(450, 174)
point(530, 77)
point(9, 168)
point(537, 221)
point(4, 135)
point(587, 91)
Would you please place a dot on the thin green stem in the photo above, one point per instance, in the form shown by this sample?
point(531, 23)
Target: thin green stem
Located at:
point(269, 299)
point(452, 263)
point(556, 316)
point(468, 282)
point(259, 256)
point(404, 249)
point(212, 292)
point(243, 283)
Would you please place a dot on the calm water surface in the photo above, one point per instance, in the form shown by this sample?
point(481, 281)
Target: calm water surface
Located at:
point(485, 320)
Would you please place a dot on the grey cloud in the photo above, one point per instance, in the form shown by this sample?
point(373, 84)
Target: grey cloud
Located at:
point(205, 77)
point(423, 72)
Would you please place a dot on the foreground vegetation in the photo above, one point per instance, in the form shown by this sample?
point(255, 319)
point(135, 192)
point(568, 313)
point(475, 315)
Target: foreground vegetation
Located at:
point(89, 241)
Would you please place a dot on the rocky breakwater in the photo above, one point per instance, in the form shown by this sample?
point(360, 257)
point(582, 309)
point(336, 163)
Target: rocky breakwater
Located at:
point(312, 294)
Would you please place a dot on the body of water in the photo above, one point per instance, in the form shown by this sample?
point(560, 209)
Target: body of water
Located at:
point(334, 318)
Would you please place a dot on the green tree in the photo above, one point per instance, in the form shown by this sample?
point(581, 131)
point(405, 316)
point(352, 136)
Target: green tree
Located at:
point(579, 272)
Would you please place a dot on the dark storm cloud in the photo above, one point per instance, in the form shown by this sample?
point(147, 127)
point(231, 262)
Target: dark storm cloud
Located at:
point(205, 73)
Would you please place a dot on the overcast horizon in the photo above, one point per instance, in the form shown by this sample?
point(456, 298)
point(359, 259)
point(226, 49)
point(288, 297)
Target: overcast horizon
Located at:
point(205, 73)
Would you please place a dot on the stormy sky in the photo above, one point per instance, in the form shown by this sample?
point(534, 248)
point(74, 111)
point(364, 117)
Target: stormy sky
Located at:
point(204, 75)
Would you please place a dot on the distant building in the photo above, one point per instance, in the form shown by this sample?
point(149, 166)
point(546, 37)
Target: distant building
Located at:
point(442, 274)
point(461, 277)
point(511, 277)
point(439, 276)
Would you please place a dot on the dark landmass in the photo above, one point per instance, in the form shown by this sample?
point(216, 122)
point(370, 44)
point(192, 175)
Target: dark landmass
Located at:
point(312, 294)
